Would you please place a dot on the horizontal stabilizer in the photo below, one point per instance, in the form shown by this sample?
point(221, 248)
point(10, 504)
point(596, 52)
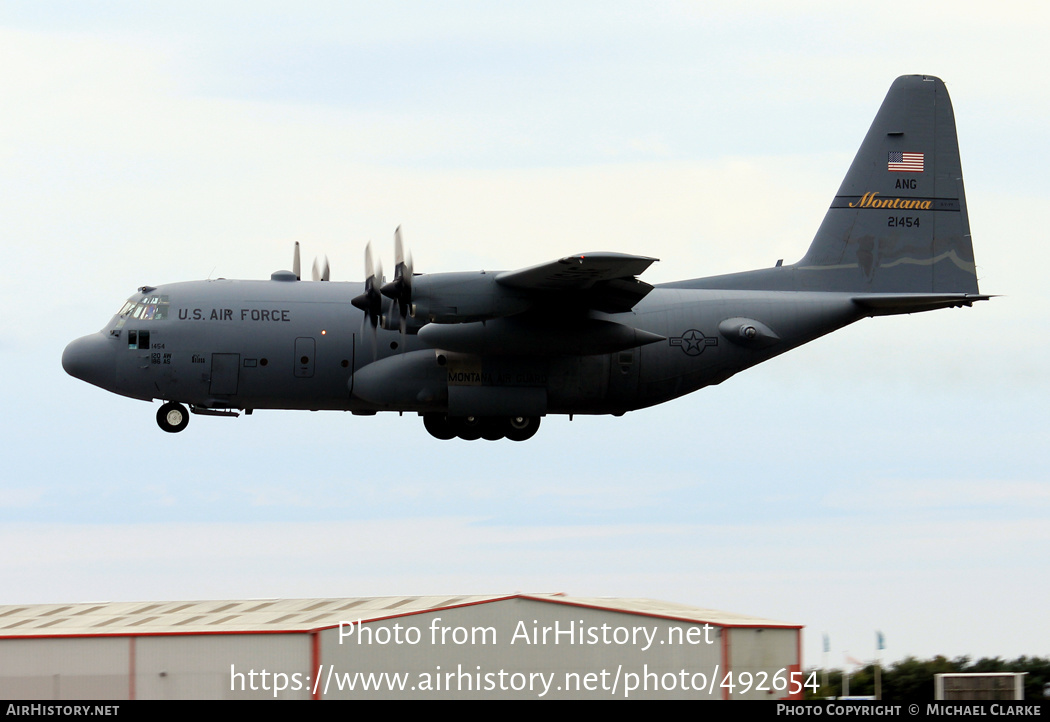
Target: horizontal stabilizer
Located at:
point(885, 304)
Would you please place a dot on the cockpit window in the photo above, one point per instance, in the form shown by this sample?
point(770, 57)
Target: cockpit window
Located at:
point(146, 308)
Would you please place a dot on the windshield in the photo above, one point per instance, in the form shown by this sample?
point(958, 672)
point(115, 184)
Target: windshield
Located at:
point(144, 308)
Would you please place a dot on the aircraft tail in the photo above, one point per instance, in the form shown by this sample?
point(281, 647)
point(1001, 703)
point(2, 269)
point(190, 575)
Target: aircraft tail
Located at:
point(898, 223)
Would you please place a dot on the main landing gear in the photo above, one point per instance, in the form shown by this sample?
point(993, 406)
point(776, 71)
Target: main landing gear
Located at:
point(172, 417)
point(471, 428)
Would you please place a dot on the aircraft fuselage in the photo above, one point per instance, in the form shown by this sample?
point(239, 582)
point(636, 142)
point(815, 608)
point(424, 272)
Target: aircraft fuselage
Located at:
point(299, 345)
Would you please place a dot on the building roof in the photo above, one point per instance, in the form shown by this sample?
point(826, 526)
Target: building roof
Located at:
point(273, 616)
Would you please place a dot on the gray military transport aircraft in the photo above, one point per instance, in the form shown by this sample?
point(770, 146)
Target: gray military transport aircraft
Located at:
point(488, 354)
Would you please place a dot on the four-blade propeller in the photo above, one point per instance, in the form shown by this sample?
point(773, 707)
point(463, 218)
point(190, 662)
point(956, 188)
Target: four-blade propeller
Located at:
point(321, 273)
point(371, 301)
point(400, 289)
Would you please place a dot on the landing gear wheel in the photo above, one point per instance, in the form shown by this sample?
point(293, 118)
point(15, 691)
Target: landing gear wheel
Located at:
point(493, 428)
point(522, 428)
point(467, 428)
point(438, 426)
point(172, 417)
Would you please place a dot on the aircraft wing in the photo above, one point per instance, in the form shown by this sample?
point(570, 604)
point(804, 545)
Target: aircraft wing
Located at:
point(605, 281)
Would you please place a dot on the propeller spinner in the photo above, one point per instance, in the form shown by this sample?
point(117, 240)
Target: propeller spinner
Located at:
point(371, 301)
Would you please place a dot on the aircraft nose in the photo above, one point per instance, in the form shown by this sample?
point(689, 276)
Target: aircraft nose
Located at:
point(90, 358)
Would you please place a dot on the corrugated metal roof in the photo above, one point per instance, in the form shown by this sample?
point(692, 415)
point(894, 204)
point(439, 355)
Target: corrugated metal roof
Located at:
point(299, 615)
point(670, 610)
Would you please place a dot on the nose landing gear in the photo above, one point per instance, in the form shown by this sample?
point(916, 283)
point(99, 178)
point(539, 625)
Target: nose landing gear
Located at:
point(172, 417)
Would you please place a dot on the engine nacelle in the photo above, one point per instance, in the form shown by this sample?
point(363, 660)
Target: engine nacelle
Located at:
point(463, 297)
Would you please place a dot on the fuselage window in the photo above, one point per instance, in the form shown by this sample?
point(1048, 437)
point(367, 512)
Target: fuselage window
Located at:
point(138, 339)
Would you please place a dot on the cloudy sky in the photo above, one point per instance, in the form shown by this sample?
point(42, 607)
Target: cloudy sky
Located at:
point(892, 476)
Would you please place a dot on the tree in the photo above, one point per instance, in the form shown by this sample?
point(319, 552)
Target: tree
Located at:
point(912, 680)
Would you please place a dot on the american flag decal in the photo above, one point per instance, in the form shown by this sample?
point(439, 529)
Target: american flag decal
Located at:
point(905, 162)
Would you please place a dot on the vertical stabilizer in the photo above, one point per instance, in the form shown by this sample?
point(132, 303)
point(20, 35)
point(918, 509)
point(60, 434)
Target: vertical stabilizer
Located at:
point(898, 223)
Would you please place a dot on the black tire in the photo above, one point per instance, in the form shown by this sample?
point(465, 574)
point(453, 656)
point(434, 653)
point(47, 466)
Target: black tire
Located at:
point(522, 428)
point(438, 426)
point(493, 428)
point(467, 428)
point(172, 417)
